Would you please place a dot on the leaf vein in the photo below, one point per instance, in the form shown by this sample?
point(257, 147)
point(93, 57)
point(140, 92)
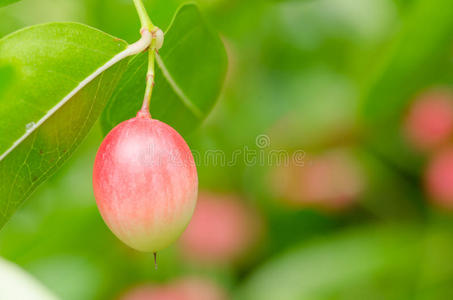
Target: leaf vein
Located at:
point(183, 97)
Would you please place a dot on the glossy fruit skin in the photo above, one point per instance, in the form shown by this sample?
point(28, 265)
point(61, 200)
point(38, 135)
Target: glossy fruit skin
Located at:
point(145, 183)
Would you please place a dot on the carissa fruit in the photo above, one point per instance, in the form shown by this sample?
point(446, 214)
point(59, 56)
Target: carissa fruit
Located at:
point(332, 181)
point(145, 183)
point(186, 288)
point(223, 230)
point(429, 122)
point(439, 178)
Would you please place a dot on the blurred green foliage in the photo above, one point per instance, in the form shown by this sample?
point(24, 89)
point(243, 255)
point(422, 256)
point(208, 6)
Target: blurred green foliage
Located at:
point(310, 75)
point(7, 2)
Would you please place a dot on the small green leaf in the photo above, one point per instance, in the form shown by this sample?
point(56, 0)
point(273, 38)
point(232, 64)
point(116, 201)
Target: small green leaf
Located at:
point(7, 2)
point(191, 67)
point(46, 64)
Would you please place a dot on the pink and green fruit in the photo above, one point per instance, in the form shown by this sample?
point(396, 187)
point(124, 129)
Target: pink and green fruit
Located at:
point(223, 229)
point(439, 178)
point(429, 122)
point(145, 183)
point(331, 181)
point(189, 288)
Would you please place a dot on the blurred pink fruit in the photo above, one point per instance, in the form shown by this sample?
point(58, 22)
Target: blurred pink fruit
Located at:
point(333, 180)
point(222, 229)
point(183, 289)
point(439, 178)
point(429, 122)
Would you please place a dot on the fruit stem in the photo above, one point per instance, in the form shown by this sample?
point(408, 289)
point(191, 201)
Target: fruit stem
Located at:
point(156, 43)
point(149, 79)
point(143, 15)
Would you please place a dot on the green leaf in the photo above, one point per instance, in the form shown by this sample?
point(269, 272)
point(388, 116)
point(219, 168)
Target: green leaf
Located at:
point(6, 76)
point(37, 131)
point(7, 2)
point(339, 264)
point(191, 67)
point(417, 57)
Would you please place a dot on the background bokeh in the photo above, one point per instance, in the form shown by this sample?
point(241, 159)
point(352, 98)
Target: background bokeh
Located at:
point(325, 169)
